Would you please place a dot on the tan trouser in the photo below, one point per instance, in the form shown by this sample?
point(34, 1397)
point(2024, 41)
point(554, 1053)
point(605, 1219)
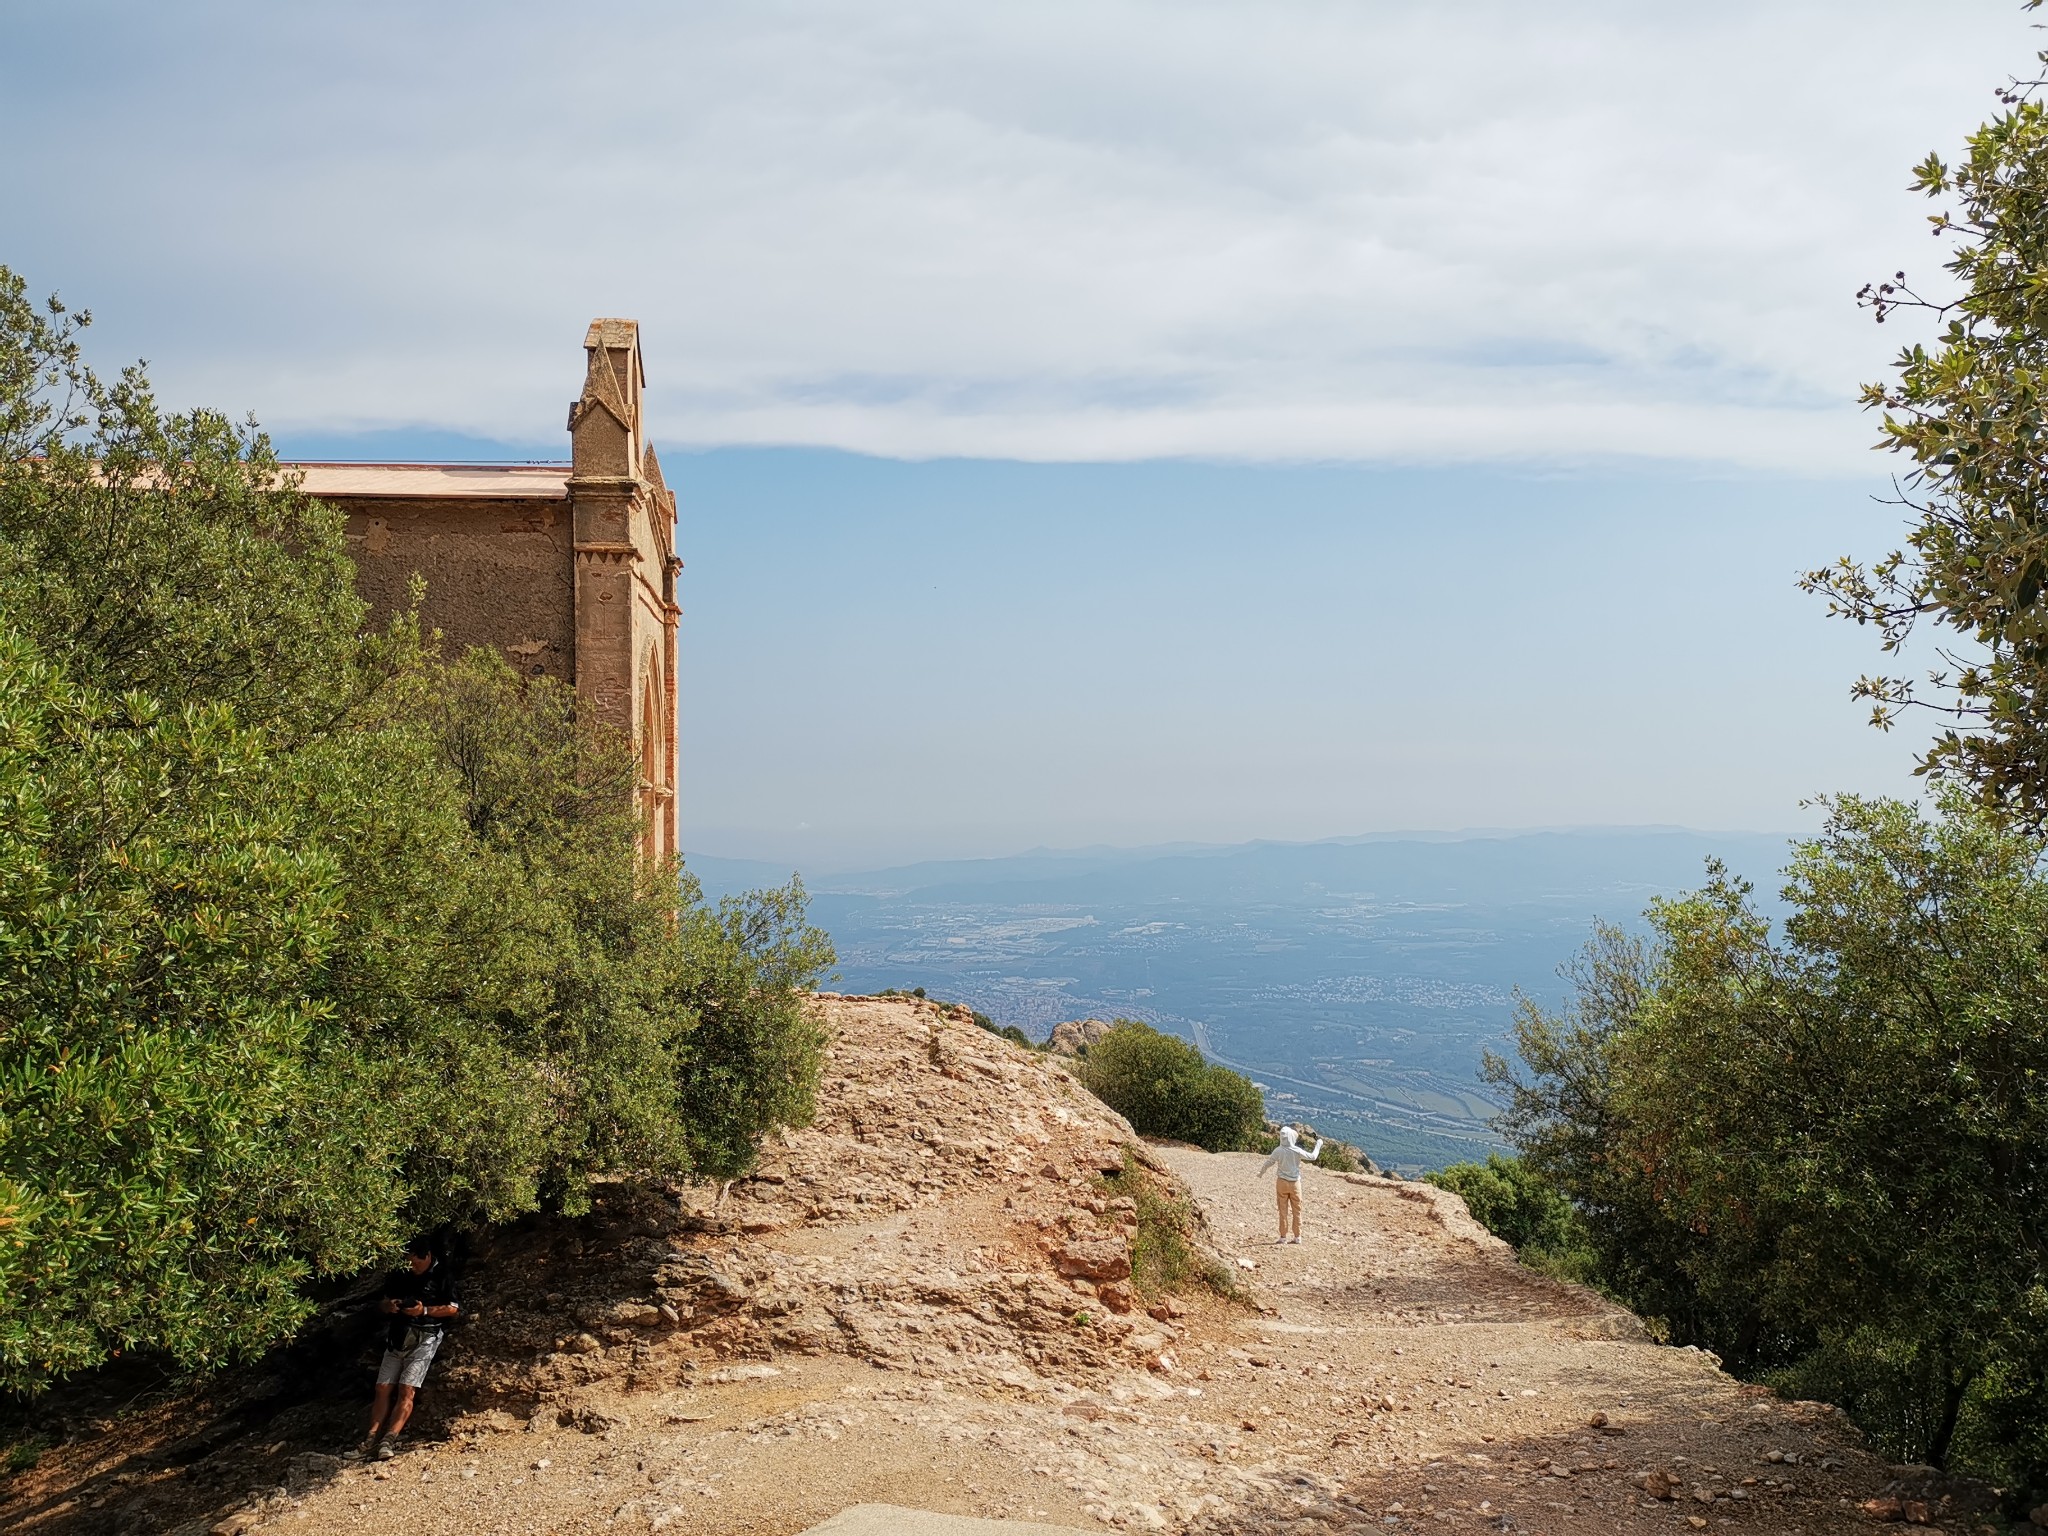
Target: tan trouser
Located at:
point(1287, 1193)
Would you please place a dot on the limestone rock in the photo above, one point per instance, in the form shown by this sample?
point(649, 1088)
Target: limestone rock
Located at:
point(1098, 1259)
point(1072, 1037)
point(683, 1287)
point(1658, 1484)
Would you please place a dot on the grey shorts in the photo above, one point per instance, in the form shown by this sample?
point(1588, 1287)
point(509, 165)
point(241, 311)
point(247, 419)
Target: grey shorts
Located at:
point(408, 1366)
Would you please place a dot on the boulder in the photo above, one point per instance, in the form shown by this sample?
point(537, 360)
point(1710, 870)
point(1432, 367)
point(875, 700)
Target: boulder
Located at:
point(1070, 1038)
point(1097, 1259)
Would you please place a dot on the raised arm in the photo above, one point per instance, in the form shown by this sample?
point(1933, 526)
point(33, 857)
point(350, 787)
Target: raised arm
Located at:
point(1311, 1156)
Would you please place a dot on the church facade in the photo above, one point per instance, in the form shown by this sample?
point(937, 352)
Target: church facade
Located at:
point(568, 570)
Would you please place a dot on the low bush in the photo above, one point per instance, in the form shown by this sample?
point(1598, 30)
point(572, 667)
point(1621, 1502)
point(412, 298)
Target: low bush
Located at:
point(23, 1455)
point(1332, 1155)
point(1009, 1032)
point(1164, 1087)
point(1341, 1157)
point(1525, 1211)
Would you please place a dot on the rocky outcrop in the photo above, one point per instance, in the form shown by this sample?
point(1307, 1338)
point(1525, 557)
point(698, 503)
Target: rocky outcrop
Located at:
point(1076, 1035)
point(824, 1249)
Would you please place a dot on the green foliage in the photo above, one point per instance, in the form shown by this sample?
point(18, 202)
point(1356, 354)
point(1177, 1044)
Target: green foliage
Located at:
point(1340, 1157)
point(1524, 1210)
point(1166, 1252)
point(1966, 410)
point(24, 1455)
point(1823, 1154)
point(1563, 1121)
point(1009, 1032)
point(159, 937)
point(756, 1050)
point(1332, 1155)
point(1164, 1087)
point(308, 938)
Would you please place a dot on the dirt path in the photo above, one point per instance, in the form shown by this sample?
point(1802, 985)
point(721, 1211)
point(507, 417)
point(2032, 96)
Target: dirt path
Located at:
point(894, 1311)
point(1443, 1384)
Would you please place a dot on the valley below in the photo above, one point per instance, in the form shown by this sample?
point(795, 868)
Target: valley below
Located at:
point(1357, 982)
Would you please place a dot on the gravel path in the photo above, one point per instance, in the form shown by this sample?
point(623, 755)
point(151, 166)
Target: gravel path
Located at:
point(1445, 1385)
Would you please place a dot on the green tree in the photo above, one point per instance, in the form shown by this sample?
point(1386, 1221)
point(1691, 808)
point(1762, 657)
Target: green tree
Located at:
point(159, 932)
point(1823, 1153)
point(1565, 1120)
point(1966, 410)
point(1164, 1087)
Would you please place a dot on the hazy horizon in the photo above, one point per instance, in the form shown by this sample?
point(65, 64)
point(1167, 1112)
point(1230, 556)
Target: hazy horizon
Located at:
point(1047, 852)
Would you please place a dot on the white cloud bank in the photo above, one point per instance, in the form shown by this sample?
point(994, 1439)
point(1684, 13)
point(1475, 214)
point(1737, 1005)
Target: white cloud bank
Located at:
point(1076, 229)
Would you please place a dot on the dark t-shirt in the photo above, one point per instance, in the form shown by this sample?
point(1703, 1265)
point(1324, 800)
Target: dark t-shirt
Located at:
point(435, 1288)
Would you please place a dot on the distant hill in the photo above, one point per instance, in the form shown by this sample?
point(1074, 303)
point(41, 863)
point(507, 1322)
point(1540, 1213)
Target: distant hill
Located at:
point(1495, 869)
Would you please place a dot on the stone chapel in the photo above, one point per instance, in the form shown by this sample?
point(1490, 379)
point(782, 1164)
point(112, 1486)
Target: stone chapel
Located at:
point(568, 569)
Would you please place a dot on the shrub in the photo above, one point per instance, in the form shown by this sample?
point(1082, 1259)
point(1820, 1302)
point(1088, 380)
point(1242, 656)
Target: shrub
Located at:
point(1009, 1032)
point(1165, 1088)
point(1340, 1157)
point(24, 1455)
point(1525, 1211)
point(1332, 1155)
point(1166, 1255)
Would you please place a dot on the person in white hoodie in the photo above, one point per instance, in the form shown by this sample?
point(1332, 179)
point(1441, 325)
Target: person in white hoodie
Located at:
point(1288, 1158)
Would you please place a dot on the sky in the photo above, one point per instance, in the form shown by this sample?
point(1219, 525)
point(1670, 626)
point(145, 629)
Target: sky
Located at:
point(1109, 422)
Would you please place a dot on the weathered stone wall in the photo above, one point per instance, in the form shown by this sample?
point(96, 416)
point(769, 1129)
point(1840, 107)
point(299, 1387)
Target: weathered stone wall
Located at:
point(498, 573)
point(569, 570)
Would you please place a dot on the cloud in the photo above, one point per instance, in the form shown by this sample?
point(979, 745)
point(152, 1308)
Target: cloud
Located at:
point(1072, 230)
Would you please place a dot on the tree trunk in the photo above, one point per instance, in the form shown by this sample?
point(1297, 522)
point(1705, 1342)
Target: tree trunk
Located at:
point(1953, 1391)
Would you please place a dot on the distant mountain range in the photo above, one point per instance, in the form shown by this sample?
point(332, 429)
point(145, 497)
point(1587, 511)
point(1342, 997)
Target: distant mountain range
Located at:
point(1358, 979)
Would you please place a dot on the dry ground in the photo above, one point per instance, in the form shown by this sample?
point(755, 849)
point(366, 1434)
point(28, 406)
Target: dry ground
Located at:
point(891, 1314)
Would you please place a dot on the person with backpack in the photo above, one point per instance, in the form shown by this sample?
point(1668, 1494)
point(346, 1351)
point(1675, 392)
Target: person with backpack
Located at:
point(419, 1302)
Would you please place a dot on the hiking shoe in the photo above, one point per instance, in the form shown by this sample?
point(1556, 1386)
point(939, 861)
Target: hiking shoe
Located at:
point(388, 1449)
